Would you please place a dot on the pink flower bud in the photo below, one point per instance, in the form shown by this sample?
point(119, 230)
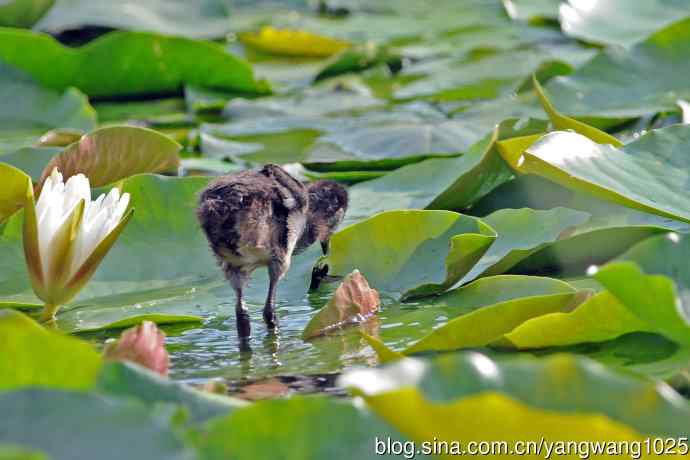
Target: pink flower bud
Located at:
point(144, 345)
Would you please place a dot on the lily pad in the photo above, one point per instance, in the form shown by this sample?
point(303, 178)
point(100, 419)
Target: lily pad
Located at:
point(104, 66)
point(571, 390)
point(43, 419)
point(110, 154)
point(130, 380)
point(532, 10)
point(296, 428)
point(647, 174)
point(618, 22)
point(287, 42)
point(608, 85)
point(483, 311)
point(34, 356)
point(522, 232)
point(410, 253)
point(193, 19)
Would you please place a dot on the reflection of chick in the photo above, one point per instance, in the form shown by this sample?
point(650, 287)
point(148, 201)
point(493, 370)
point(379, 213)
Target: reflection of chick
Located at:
point(259, 218)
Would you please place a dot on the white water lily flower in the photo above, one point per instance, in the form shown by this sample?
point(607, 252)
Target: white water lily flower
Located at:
point(66, 236)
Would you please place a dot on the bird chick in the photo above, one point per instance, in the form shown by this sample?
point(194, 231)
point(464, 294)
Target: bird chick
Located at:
point(260, 218)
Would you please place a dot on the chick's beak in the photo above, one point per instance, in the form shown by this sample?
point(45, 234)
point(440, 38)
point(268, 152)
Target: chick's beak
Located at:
point(325, 247)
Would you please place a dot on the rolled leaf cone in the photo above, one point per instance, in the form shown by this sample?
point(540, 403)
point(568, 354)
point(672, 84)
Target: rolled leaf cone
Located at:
point(143, 345)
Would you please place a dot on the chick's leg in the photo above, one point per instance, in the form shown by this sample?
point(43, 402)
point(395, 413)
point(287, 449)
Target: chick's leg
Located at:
point(276, 270)
point(238, 280)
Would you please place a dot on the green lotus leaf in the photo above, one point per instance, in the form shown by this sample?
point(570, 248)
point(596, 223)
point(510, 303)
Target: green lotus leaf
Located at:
point(522, 232)
point(104, 67)
point(10, 452)
point(410, 253)
point(110, 154)
point(608, 85)
point(619, 22)
point(296, 428)
point(571, 389)
point(454, 183)
point(43, 418)
point(126, 379)
point(532, 10)
point(648, 174)
point(193, 19)
point(34, 356)
point(477, 314)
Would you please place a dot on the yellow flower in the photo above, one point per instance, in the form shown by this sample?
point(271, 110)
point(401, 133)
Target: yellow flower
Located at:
point(66, 236)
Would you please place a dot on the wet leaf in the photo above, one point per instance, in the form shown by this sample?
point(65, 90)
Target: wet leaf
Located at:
point(104, 67)
point(410, 253)
point(608, 85)
point(619, 22)
point(354, 301)
point(296, 428)
point(44, 419)
point(34, 356)
point(110, 154)
point(286, 42)
point(418, 396)
point(194, 19)
point(131, 380)
point(647, 174)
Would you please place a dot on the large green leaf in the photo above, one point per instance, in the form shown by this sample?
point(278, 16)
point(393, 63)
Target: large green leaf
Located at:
point(194, 19)
point(131, 380)
point(522, 232)
point(652, 281)
point(619, 22)
point(31, 160)
point(105, 66)
point(31, 109)
point(16, 185)
point(570, 389)
point(608, 85)
point(532, 10)
point(97, 426)
point(23, 13)
point(482, 312)
point(34, 356)
point(491, 76)
point(297, 428)
point(441, 183)
point(649, 174)
point(9, 452)
point(110, 154)
point(410, 253)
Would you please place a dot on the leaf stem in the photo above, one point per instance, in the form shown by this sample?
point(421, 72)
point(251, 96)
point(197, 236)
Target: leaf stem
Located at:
point(48, 313)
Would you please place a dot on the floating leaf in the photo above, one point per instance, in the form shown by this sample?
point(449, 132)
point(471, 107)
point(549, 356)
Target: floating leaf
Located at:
point(110, 154)
point(411, 253)
point(420, 397)
point(295, 429)
point(186, 18)
point(104, 66)
point(34, 356)
point(618, 22)
point(130, 380)
point(354, 301)
point(608, 85)
point(286, 42)
point(648, 174)
point(44, 419)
